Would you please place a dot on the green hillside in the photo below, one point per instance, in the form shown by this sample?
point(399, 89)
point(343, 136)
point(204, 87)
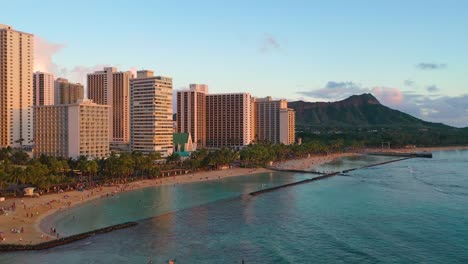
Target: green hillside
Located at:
point(364, 119)
point(356, 111)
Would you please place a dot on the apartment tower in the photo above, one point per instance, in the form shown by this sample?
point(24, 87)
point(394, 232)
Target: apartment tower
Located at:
point(191, 113)
point(43, 87)
point(16, 90)
point(110, 87)
point(67, 92)
point(228, 120)
point(72, 130)
point(151, 125)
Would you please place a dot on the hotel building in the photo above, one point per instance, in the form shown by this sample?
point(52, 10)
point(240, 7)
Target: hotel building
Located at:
point(72, 130)
point(191, 113)
point(16, 87)
point(151, 122)
point(43, 86)
point(287, 126)
point(228, 120)
point(274, 121)
point(110, 87)
point(67, 92)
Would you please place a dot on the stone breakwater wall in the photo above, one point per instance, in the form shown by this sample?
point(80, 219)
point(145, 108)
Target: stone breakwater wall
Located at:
point(324, 176)
point(64, 240)
point(292, 184)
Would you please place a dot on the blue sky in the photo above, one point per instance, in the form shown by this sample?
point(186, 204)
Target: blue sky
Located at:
point(413, 55)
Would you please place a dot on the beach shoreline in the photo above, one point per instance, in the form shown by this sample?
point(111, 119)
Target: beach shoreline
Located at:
point(38, 209)
point(31, 212)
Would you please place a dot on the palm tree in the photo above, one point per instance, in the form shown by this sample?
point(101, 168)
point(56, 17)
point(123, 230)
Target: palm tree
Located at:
point(173, 158)
point(92, 169)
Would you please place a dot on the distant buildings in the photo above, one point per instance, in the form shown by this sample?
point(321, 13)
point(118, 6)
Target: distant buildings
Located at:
point(43, 87)
point(228, 120)
point(274, 121)
point(151, 126)
point(110, 87)
point(16, 87)
point(72, 130)
point(67, 92)
point(191, 113)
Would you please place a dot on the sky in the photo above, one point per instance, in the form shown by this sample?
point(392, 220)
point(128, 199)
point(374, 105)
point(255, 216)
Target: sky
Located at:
point(411, 55)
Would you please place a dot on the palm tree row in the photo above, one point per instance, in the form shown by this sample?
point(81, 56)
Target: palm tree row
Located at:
point(17, 168)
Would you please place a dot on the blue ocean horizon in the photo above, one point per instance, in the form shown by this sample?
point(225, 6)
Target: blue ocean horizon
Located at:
point(409, 211)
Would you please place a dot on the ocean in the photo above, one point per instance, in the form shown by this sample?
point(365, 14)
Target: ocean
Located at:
point(409, 211)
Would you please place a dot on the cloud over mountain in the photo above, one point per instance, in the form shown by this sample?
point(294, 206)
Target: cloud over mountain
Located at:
point(451, 110)
point(430, 66)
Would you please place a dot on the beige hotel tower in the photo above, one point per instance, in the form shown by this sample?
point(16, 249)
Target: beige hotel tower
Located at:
point(151, 126)
point(16, 87)
point(72, 130)
point(110, 87)
point(274, 121)
point(191, 113)
point(229, 120)
point(43, 86)
point(67, 92)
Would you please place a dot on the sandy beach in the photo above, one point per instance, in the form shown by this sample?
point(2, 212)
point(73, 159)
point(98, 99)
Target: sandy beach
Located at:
point(309, 163)
point(29, 212)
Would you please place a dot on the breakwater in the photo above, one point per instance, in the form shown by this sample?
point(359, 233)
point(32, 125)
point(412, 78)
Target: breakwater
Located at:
point(293, 184)
point(323, 176)
point(64, 240)
point(402, 154)
point(294, 170)
point(376, 164)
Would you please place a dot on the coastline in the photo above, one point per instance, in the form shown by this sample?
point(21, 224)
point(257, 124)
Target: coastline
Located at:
point(47, 205)
point(44, 206)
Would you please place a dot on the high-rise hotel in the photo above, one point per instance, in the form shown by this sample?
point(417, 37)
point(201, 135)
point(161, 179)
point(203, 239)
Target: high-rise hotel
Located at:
point(228, 120)
point(233, 120)
point(274, 121)
point(16, 87)
point(151, 126)
point(72, 130)
point(110, 87)
point(191, 113)
point(67, 92)
point(43, 87)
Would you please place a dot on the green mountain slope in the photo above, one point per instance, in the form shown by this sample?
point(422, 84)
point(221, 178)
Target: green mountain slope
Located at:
point(356, 111)
point(361, 118)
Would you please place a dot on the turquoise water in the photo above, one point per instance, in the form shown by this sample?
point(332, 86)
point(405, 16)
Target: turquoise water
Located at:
point(149, 202)
point(405, 212)
point(352, 162)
